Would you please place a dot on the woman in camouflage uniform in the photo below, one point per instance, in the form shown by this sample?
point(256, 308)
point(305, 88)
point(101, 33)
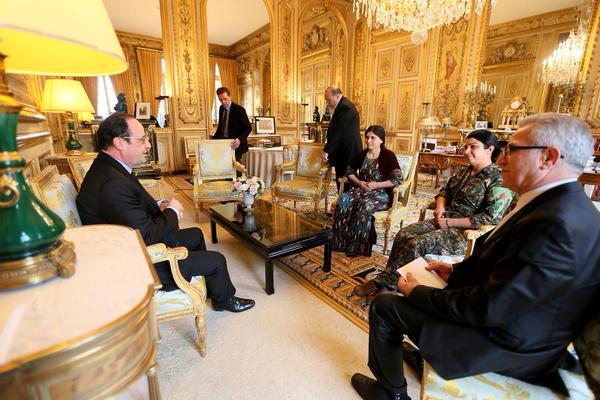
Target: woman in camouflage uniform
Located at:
point(465, 202)
point(374, 172)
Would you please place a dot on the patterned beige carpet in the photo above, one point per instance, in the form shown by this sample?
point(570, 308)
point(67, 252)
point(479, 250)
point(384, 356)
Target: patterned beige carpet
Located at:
point(334, 287)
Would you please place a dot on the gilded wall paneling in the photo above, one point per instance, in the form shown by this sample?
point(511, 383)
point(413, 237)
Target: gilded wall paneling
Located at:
point(409, 65)
point(382, 104)
point(406, 106)
point(360, 64)
point(545, 21)
point(402, 144)
point(322, 76)
point(340, 57)
point(385, 60)
point(307, 79)
point(285, 107)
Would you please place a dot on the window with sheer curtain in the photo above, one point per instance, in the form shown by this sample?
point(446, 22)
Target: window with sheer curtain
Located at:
point(215, 104)
point(107, 98)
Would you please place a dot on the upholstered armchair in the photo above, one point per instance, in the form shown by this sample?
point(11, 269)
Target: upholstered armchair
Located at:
point(58, 193)
point(311, 178)
point(214, 171)
point(80, 165)
point(398, 212)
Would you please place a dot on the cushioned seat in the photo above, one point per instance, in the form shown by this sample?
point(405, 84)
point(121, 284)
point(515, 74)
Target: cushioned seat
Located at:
point(58, 193)
point(214, 189)
point(494, 386)
point(301, 187)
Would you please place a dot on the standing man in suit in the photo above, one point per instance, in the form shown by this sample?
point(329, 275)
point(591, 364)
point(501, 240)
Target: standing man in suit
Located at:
point(343, 137)
point(110, 194)
point(233, 123)
point(520, 299)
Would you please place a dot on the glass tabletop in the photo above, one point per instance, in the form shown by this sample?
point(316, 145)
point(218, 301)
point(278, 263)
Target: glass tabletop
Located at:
point(269, 223)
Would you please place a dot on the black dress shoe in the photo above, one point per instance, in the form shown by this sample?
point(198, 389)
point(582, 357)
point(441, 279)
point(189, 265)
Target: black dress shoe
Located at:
point(370, 389)
point(412, 356)
point(234, 304)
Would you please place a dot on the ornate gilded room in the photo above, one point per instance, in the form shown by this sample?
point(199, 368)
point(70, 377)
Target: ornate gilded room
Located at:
point(390, 199)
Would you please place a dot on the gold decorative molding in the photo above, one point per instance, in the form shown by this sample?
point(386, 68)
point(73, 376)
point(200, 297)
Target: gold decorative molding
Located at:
point(316, 39)
point(516, 50)
point(567, 16)
point(220, 51)
point(137, 40)
point(588, 108)
point(252, 41)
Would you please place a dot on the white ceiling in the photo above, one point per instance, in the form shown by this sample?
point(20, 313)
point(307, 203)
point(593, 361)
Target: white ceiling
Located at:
point(509, 10)
point(231, 20)
point(228, 20)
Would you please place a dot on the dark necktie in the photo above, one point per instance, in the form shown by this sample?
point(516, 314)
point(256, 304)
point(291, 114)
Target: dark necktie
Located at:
point(224, 123)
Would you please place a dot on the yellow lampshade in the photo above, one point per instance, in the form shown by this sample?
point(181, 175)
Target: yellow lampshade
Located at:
point(61, 95)
point(59, 37)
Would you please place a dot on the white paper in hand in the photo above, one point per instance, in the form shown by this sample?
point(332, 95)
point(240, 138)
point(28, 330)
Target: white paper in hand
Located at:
point(424, 277)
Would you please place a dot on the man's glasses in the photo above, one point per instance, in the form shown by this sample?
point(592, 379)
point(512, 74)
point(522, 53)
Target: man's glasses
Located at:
point(509, 148)
point(140, 138)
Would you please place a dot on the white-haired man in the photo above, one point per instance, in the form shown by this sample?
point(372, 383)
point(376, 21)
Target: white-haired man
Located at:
point(519, 300)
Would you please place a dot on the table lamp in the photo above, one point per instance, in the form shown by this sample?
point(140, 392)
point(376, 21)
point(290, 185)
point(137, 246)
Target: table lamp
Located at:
point(67, 96)
point(59, 38)
point(427, 125)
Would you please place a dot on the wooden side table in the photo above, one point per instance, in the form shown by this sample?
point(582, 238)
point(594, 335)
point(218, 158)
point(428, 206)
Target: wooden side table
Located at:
point(440, 161)
point(92, 335)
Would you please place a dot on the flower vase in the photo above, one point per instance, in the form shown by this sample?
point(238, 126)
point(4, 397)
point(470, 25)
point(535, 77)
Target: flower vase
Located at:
point(248, 200)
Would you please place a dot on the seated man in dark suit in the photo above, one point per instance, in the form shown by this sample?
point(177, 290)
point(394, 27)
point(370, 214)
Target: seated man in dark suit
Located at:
point(110, 194)
point(514, 306)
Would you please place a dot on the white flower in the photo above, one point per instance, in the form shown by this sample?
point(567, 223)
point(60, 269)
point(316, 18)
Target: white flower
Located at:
point(253, 190)
point(244, 187)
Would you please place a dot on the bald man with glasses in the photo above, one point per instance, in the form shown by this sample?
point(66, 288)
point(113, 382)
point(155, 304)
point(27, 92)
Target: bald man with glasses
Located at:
point(110, 194)
point(517, 302)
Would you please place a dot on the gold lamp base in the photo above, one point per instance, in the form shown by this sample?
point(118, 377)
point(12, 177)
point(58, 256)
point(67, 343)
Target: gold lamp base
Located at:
point(59, 260)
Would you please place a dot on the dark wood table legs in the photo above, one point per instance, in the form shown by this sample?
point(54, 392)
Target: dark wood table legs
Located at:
point(213, 232)
point(269, 289)
point(327, 257)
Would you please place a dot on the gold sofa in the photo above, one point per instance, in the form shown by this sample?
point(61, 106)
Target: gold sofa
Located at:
point(311, 178)
point(58, 193)
point(398, 211)
point(214, 171)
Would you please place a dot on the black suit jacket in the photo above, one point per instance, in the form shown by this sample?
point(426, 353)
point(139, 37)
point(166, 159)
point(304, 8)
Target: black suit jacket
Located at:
point(343, 137)
point(239, 127)
point(111, 195)
point(517, 302)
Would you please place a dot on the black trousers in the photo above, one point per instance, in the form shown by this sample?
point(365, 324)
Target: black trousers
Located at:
point(210, 264)
point(390, 318)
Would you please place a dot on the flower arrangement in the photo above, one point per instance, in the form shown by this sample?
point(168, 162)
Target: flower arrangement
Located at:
point(253, 185)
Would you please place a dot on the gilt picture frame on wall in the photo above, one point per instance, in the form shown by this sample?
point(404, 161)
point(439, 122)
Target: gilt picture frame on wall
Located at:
point(264, 125)
point(142, 110)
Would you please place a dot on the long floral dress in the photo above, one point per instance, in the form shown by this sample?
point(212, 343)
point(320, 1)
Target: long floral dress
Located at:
point(353, 230)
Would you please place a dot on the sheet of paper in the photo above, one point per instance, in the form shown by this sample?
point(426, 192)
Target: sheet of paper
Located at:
point(10, 317)
point(424, 277)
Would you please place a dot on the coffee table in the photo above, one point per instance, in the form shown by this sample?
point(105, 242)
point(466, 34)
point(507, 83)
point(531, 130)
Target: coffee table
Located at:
point(272, 231)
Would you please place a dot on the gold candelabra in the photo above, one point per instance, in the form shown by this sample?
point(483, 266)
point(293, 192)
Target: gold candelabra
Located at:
point(477, 97)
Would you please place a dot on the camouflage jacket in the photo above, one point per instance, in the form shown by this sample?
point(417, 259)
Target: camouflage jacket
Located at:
point(471, 196)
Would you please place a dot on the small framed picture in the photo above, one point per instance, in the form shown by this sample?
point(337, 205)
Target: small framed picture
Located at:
point(142, 110)
point(481, 124)
point(265, 125)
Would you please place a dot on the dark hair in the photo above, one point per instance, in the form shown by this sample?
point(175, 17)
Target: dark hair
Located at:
point(113, 126)
point(222, 90)
point(378, 131)
point(488, 139)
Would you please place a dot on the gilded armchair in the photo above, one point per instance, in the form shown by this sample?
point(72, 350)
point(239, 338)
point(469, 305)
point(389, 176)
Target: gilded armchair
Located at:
point(214, 171)
point(58, 193)
point(503, 198)
point(80, 165)
point(398, 211)
point(311, 178)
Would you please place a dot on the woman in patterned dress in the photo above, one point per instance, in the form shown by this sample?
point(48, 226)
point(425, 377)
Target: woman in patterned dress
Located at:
point(466, 202)
point(373, 172)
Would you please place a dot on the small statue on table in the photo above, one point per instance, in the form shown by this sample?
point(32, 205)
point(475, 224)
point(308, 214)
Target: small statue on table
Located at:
point(316, 115)
point(326, 115)
point(121, 105)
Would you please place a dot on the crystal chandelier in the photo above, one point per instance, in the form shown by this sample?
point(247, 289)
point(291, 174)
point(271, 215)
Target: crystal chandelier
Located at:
point(562, 67)
point(416, 16)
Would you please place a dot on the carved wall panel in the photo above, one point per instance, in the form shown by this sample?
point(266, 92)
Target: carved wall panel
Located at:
point(385, 60)
point(382, 104)
point(589, 108)
point(285, 23)
point(409, 66)
point(322, 76)
point(406, 106)
point(360, 63)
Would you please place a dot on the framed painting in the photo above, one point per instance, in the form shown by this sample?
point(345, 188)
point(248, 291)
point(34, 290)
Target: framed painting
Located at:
point(265, 125)
point(142, 110)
